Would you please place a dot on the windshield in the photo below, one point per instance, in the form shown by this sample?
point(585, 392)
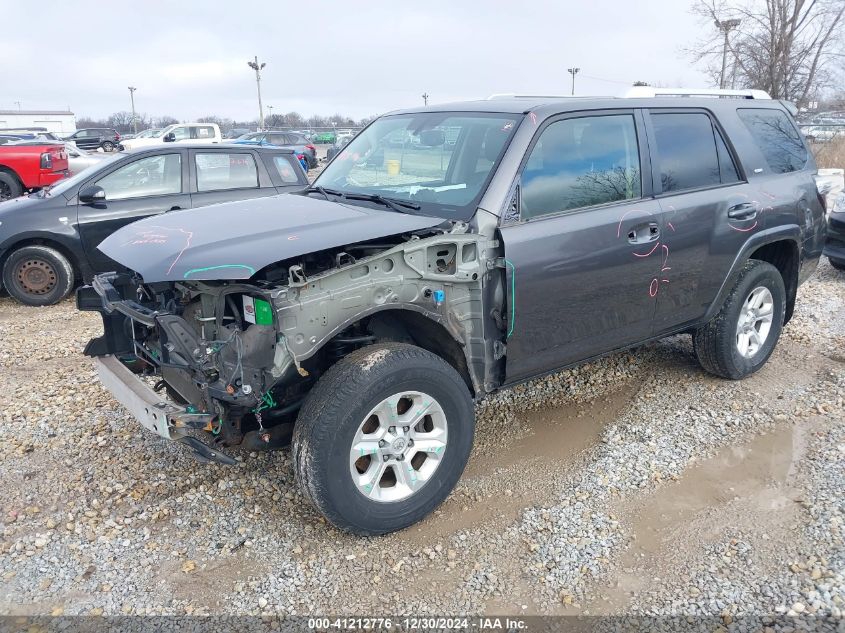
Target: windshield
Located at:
point(148, 133)
point(439, 160)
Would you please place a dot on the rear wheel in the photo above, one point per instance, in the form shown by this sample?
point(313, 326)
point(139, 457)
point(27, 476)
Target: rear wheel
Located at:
point(108, 146)
point(38, 275)
point(10, 187)
point(740, 338)
point(838, 264)
point(383, 438)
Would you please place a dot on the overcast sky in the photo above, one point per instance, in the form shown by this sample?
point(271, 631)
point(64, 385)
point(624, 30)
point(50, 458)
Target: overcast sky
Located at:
point(188, 59)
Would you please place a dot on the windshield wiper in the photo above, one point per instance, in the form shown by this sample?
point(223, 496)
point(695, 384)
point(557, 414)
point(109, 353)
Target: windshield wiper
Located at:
point(323, 191)
point(396, 205)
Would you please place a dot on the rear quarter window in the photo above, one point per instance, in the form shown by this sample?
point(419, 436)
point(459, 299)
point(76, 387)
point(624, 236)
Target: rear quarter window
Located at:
point(776, 137)
point(288, 172)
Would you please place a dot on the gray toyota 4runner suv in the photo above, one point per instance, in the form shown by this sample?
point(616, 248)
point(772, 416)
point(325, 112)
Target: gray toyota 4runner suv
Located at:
point(444, 254)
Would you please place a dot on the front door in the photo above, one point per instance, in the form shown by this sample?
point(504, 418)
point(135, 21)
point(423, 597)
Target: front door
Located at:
point(584, 260)
point(138, 189)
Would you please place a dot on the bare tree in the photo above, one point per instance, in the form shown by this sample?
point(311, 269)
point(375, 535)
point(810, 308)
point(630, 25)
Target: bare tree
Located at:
point(792, 49)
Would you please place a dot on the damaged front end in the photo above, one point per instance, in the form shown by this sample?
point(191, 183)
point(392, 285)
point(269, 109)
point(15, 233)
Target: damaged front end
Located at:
point(237, 358)
point(214, 349)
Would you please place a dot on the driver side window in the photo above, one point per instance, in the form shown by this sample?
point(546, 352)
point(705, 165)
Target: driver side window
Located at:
point(150, 176)
point(582, 162)
point(180, 133)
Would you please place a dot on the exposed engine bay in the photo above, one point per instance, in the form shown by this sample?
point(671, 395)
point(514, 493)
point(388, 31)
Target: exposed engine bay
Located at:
point(240, 357)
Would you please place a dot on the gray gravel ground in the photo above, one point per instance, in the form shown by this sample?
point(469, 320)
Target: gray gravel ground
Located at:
point(636, 484)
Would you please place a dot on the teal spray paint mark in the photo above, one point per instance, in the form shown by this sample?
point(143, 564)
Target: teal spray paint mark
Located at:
point(207, 268)
point(513, 297)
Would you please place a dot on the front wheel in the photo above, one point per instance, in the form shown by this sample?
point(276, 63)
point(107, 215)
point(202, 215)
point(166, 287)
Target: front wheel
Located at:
point(383, 438)
point(38, 275)
point(740, 338)
point(108, 146)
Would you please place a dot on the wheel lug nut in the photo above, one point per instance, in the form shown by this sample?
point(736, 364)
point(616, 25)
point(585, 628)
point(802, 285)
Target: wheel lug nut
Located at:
point(392, 429)
point(382, 443)
point(410, 442)
point(386, 458)
point(399, 458)
point(406, 428)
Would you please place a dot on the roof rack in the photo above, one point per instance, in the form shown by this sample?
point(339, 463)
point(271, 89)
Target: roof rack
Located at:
point(649, 91)
point(510, 95)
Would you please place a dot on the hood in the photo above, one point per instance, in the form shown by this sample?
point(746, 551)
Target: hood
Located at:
point(234, 240)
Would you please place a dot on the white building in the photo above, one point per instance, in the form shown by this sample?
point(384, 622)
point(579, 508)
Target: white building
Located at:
point(56, 121)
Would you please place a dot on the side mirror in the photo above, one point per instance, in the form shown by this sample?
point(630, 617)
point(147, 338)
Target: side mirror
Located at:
point(92, 194)
point(432, 138)
point(169, 137)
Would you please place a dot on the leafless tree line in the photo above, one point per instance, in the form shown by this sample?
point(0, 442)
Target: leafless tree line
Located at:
point(792, 49)
point(122, 121)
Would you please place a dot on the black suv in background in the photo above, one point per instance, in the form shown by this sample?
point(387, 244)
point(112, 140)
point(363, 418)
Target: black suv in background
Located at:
point(93, 138)
point(50, 238)
point(363, 316)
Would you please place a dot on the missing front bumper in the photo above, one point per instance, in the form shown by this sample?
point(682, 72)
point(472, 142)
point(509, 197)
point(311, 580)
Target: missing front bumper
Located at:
point(160, 416)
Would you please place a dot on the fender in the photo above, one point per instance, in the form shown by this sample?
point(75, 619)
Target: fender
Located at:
point(791, 232)
point(65, 238)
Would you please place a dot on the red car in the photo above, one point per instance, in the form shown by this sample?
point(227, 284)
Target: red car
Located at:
point(25, 166)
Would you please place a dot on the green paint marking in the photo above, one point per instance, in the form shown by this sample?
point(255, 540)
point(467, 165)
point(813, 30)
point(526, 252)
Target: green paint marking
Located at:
point(513, 297)
point(207, 268)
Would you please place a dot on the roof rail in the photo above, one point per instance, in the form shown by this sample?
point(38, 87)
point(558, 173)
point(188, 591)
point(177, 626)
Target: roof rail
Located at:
point(649, 91)
point(510, 95)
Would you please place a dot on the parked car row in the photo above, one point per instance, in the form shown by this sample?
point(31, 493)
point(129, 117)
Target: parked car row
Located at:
point(303, 148)
point(49, 239)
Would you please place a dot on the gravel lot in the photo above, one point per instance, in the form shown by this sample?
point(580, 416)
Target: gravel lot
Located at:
point(634, 485)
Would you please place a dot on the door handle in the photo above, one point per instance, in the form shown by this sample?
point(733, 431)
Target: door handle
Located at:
point(644, 233)
point(176, 208)
point(742, 211)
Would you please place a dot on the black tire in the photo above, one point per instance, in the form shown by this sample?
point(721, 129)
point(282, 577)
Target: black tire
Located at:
point(10, 186)
point(838, 264)
point(38, 275)
point(107, 146)
point(715, 343)
point(338, 405)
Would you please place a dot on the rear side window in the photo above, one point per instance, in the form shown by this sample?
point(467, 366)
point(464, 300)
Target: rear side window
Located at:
point(581, 162)
point(686, 151)
point(219, 170)
point(288, 172)
point(727, 167)
point(776, 137)
point(202, 132)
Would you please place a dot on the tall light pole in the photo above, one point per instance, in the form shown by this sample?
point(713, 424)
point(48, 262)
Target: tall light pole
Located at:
point(270, 116)
point(19, 105)
point(257, 68)
point(573, 72)
point(726, 26)
point(425, 98)
point(132, 90)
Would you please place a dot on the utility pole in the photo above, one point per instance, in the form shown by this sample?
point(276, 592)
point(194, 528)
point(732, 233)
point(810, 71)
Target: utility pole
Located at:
point(19, 105)
point(425, 98)
point(573, 72)
point(257, 68)
point(132, 90)
point(726, 26)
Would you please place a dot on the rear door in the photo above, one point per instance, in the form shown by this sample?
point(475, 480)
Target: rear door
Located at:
point(708, 211)
point(149, 185)
point(223, 176)
point(583, 260)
